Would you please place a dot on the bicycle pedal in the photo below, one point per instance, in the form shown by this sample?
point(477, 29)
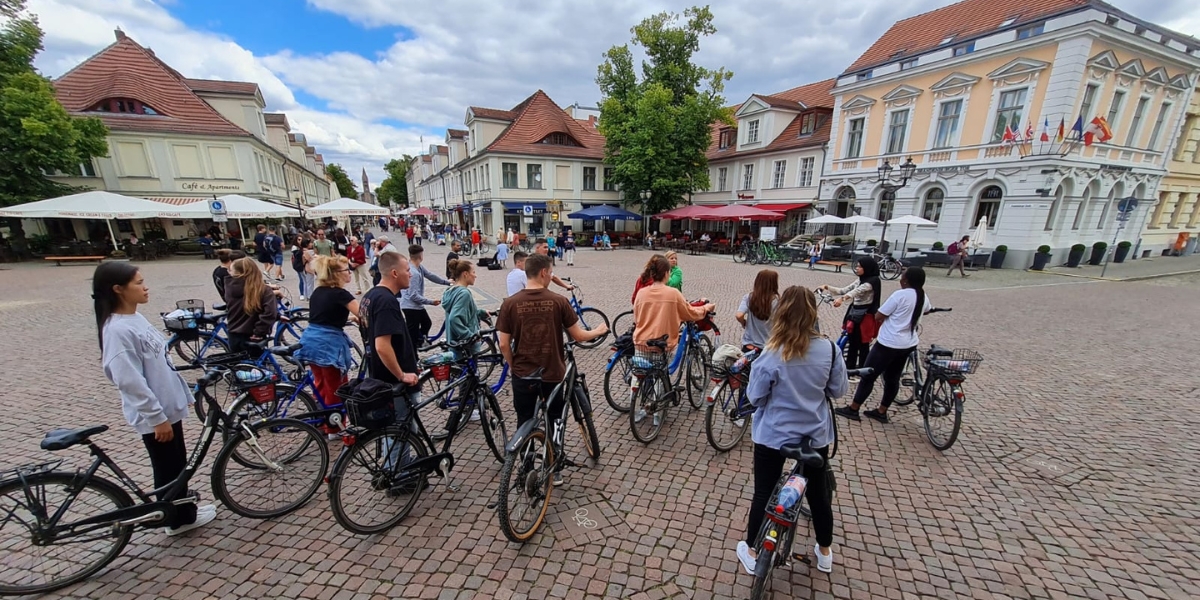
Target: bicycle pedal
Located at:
point(569, 463)
point(906, 382)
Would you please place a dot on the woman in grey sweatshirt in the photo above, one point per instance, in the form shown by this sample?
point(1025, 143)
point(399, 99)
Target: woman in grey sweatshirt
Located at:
point(154, 397)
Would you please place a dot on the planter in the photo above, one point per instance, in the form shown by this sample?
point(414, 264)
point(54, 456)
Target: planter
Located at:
point(1040, 260)
point(1075, 257)
point(1121, 253)
point(1097, 256)
point(997, 261)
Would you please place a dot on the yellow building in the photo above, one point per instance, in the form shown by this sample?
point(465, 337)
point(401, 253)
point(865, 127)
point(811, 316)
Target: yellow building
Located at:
point(944, 87)
point(1178, 208)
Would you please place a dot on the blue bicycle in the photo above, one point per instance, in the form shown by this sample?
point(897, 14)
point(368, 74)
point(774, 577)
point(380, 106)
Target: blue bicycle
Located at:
point(589, 317)
point(654, 392)
point(194, 337)
point(727, 416)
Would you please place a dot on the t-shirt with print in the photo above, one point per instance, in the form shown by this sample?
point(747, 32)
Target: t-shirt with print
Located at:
point(536, 319)
point(323, 247)
point(327, 306)
point(895, 333)
point(379, 314)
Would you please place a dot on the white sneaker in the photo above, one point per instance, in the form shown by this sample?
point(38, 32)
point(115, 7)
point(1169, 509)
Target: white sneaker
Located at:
point(204, 515)
point(302, 298)
point(748, 562)
point(557, 480)
point(475, 416)
point(640, 416)
point(824, 561)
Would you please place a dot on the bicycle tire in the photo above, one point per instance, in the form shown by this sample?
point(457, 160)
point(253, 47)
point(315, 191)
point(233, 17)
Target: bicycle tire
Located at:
point(699, 357)
point(942, 396)
point(590, 318)
point(294, 458)
point(361, 474)
point(739, 256)
point(436, 415)
point(289, 333)
point(913, 374)
point(762, 575)
point(890, 269)
point(244, 408)
point(639, 414)
point(488, 360)
point(522, 475)
point(492, 420)
point(616, 389)
point(587, 428)
point(188, 351)
point(14, 517)
point(718, 412)
point(619, 327)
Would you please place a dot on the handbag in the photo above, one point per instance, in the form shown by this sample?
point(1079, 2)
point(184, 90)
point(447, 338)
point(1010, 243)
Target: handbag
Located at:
point(856, 314)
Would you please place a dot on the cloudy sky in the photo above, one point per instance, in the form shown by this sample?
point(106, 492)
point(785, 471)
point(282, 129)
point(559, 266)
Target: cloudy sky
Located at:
point(366, 79)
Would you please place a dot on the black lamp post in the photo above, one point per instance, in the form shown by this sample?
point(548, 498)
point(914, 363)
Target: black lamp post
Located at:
point(890, 185)
point(645, 196)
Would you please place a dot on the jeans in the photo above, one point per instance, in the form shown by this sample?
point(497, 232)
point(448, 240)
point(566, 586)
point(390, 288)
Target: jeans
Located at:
point(241, 343)
point(400, 455)
point(304, 289)
point(890, 363)
point(768, 466)
point(168, 459)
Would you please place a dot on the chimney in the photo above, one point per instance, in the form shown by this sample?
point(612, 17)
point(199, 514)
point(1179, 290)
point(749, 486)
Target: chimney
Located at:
point(120, 34)
point(592, 121)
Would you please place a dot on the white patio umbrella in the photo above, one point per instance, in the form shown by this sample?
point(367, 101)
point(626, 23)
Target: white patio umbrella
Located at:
point(826, 219)
point(239, 207)
point(908, 221)
point(979, 238)
point(346, 207)
point(95, 204)
point(855, 220)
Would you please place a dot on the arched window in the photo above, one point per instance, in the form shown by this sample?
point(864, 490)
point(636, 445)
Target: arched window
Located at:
point(932, 208)
point(123, 105)
point(988, 205)
point(887, 204)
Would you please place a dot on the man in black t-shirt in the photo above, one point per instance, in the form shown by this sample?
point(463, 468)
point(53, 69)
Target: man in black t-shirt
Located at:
point(222, 271)
point(392, 357)
point(454, 249)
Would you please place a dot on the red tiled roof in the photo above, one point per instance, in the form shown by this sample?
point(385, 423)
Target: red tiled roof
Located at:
point(816, 96)
point(777, 102)
point(457, 134)
point(443, 149)
point(812, 95)
point(492, 113)
point(537, 117)
point(246, 88)
point(127, 70)
point(962, 21)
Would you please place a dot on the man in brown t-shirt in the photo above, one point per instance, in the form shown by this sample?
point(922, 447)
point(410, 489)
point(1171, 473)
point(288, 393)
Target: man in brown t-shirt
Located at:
point(530, 329)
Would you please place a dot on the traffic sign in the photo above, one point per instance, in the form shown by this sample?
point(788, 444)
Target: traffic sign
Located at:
point(527, 209)
point(216, 207)
point(220, 218)
point(1127, 205)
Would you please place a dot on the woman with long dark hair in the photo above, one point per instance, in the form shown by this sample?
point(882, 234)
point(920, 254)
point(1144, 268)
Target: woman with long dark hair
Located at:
point(864, 294)
point(754, 313)
point(898, 319)
point(154, 398)
point(252, 309)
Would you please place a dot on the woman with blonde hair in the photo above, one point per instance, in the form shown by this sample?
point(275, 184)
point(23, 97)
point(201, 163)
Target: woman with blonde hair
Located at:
point(325, 346)
point(252, 309)
point(676, 278)
point(788, 386)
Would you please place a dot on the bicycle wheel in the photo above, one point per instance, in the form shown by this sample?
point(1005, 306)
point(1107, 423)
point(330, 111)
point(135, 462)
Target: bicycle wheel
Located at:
point(369, 489)
point(591, 318)
point(587, 428)
point(698, 356)
point(622, 324)
point(616, 384)
point(525, 486)
point(739, 256)
point(889, 269)
point(289, 462)
point(288, 333)
point(186, 353)
point(492, 420)
point(910, 378)
point(762, 588)
point(722, 424)
point(488, 361)
point(288, 401)
point(31, 567)
point(436, 415)
point(648, 411)
point(943, 413)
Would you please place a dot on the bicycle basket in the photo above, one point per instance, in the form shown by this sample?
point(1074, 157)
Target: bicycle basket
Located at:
point(259, 383)
point(647, 359)
point(439, 365)
point(368, 403)
point(963, 362)
point(183, 323)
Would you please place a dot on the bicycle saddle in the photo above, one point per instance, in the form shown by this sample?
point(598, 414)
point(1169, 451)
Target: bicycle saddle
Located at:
point(659, 343)
point(802, 452)
point(284, 350)
point(219, 307)
point(61, 439)
point(940, 351)
point(535, 376)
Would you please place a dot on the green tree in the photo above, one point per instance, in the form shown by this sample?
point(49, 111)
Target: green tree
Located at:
point(345, 186)
point(37, 135)
point(657, 130)
point(394, 189)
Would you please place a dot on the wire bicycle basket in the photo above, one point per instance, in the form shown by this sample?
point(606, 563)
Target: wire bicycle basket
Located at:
point(962, 362)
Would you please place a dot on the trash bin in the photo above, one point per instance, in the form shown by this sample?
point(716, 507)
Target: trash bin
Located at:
point(1190, 247)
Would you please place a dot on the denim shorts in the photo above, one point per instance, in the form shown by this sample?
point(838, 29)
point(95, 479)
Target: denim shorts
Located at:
point(278, 259)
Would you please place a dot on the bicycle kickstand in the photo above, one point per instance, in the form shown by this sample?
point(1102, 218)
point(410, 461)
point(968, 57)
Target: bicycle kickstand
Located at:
point(448, 478)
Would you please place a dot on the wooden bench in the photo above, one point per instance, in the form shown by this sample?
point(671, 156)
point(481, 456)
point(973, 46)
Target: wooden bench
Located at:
point(836, 264)
point(59, 260)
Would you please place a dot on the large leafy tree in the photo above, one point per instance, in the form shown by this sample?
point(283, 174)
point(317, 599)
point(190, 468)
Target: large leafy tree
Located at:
point(657, 129)
point(344, 185)
point(37, 135)
point(394, 189)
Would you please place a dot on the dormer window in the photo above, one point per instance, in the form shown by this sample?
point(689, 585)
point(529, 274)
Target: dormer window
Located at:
point(559, 139)
point(752, 132)
point(808, 124)
point(123, 105)
point(727, 138)
point(964, 49)
point(1030, 31)
point(865, 75)
point(908, 64)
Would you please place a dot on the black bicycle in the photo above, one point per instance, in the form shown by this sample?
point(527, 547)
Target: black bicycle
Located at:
point(939, 391)
point(59, 527)
point(773, 545)
point(537, 451)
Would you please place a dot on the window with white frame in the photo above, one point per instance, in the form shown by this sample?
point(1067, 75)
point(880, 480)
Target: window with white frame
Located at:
point(896, 131)
point(1114, 109)
point(1089, 98)
point(887, 203)
point(908, 64)
point(1138, 114)
point(509, 170)
point(752, 132)
point(808, 124)
point(964, 49)
point(610, 184)
point(722, 179)
point(1156, 131)
point(806, 172)
point(932, 207)
point(989, 205)
point(947, 123)
point(780, 171)
point(1009, 112)
point(854, 138)
point(748, 177)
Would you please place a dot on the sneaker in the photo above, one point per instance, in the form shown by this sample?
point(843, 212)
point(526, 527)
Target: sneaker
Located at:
point(302, 298)
point(639, 416)
point(847, 412)
point(204, 515)
point(824, 561)
point(557, 480)
point(966, 275)
point(749, 563)
point(876, 415)
point(657, 419)
point(475, 416)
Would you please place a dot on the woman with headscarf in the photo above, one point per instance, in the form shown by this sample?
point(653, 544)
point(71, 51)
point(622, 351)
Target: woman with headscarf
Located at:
point(864, 294)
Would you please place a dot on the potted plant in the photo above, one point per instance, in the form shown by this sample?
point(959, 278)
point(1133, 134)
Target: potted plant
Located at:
point(837, 241)
point(872, 243)
point(998, 255)
point(1076, 255)
point(938, 246)
point(1042, 258)
point(1122, 252)
point(1098, 250)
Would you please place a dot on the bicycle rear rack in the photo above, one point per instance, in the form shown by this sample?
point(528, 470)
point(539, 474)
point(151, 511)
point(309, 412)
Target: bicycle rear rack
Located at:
point(31, 469)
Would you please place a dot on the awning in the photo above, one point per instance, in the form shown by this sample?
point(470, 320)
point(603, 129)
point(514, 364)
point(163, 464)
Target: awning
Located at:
point(784, 207)
point(177, 201)
point(537, 208)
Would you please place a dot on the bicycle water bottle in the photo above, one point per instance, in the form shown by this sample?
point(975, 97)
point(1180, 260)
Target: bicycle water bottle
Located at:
point(744, 361)
point(791, 493)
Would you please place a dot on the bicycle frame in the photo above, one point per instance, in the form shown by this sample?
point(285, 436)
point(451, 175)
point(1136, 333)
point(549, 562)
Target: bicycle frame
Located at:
point(542, 412)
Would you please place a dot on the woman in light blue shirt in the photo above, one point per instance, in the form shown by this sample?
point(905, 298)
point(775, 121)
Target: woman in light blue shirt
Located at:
point(788, 386)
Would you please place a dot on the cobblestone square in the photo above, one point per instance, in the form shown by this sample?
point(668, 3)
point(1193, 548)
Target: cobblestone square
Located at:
point(1074, 475)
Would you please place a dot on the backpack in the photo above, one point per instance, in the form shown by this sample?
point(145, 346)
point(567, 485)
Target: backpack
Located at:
point(298, 259)
point(953, 249)
point(275, 243)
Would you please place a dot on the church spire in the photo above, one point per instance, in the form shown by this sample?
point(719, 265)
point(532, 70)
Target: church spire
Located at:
point(366, 185)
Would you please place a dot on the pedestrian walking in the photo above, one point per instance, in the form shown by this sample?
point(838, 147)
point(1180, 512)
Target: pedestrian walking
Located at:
point(413, 300)
point(516, 279)
point(958, 254)
point(501, 254)
point(569, 249)
point(321, 245)
point(357, 260)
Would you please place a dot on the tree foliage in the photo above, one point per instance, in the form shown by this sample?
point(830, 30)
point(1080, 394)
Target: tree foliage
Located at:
point(344, 185)
point(37, 135)
point(657, 130)
point(394, 189)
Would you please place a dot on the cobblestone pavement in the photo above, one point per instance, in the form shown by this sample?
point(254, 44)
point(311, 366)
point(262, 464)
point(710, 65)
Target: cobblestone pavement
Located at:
point(1074, 476)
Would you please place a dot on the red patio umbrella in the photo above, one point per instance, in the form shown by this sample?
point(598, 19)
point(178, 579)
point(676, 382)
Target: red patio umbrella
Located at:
point(738, 212)
point(422, 212)
point(684, 212)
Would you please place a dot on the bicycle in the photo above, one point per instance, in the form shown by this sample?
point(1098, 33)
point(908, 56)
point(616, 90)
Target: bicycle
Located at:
point(589, 317)
point(618, 372)
point(911, 376)
point(889, 267)
point(727, 403)
point(940, 394)
point(42, 507)
point(537, 450)
point(651, 375)
point(773, 545)
point(192, 337)
point(456, 382)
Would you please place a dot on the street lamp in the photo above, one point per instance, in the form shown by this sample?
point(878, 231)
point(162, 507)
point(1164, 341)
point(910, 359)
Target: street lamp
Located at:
point(890, 185)
point(645, 195)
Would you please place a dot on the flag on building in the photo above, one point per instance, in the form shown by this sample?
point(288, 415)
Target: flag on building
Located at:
point(1077, 128)
point(1046, 130)
point(1028, 131)
point(1097, 130)
point(1010, 136)
point(1062, 124)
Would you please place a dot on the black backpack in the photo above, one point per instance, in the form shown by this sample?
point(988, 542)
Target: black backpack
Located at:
point(298, 259)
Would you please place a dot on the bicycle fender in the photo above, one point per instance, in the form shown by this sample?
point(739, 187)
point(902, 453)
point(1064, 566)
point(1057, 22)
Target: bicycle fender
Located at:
point(518, 438)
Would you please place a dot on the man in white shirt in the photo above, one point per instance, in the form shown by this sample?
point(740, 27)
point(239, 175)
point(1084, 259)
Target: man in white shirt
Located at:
point(516, 278)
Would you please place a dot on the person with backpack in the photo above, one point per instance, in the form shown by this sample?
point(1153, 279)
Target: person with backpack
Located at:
point(298, 245)
point(275, 246)
point(958, 254)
